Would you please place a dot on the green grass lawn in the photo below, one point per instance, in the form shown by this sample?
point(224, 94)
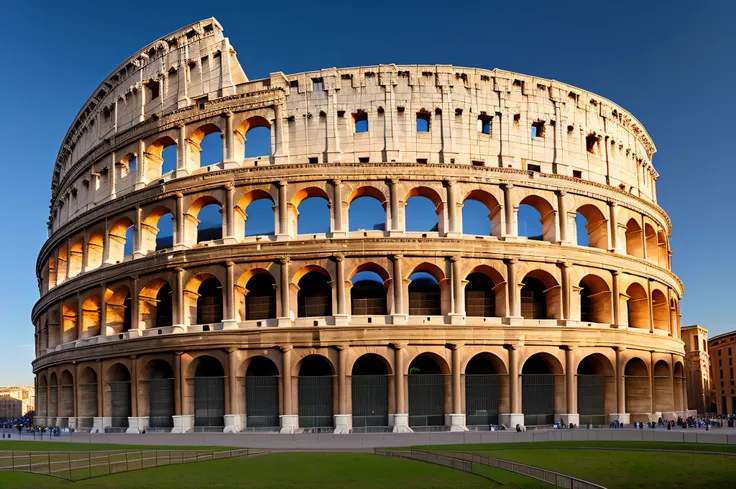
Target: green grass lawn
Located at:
point(63, 446)
point(620, 469)
point(644, 445)
point(286, 470)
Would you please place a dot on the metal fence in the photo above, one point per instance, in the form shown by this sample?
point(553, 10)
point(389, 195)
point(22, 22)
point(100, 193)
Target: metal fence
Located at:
point(469, 462)
point(80, 465)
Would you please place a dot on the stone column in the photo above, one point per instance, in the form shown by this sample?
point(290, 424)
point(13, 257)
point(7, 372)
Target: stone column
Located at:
point(138, 234)
point(337, 205)
point(230, 321)
point(457, 419)
point(451, 209)
point(177, 383)
point(279, 155)
point(228, 160)
point(616, 299)
point(562, 213)
point(622, 416)
point(233, 419)
point(183, 423)
point(644, 251)
point(134, 319)
point(181, 152)
point(649, 304)
point(398, 317)
point(515, 416)
point(179, 316)
point(508, 205)
point(135, 424)
point(341, 318)
point(285, 317)
point(572, 415)
point(289, 421)
point(179, 237)
point(283, 212)
point(613, 227)
point(400, 420)
point(457, 316)
point(228, 216)
point(343, 420)
point(396, 227)
point(653, 414)
point(513, 291)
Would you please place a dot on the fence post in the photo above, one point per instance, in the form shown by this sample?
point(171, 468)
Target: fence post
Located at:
point(70, 464)
point(109, 465)
point(89, 463)
point(49, 463)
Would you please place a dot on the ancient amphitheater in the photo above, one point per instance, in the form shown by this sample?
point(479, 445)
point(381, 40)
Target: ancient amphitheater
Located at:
point(383, 328)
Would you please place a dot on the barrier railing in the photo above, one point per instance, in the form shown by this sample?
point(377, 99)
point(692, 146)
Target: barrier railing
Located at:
point(468, 462)
point(78, 465)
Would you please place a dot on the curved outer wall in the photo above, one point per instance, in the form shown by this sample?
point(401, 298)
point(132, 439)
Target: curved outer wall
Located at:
point(606, 313)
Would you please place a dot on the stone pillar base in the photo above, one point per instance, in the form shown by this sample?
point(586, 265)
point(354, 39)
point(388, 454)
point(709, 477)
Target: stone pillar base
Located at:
point(655, 416)
point(180, 172)
point(179, 328)
point(453, 234)
point(341, 319)
point(343, 424)
point(511, 420)
point(339, 234)
point(681, 414)
point(282, 322)
point(289, 423)
point(570, 418)
point(233, 423)
point(456, 422)
point(229, 240)
point(399, 318)
point(514, 320)
point(669, 416)
point(100, 423)
point(396, 233)
point(229, 324)
point(39, 421)
point(399, 423)
point(230, 164)
point(457, 318)
point(183, 424)
point(624, 418)
point(137, 424)
point(73, 423)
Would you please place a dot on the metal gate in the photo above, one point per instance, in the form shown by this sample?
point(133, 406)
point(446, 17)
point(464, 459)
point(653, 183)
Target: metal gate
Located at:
point(41, 401)
point(67, 401)
point(481, 399)
point(53, 401)
point(120, 401)
point(87, 405)
point(209, 404)
point(161, 404)
point(370, 402)
point(591, 399)
point(262, 401)
point(426, 400)
point(538, 398)
point(315, 401)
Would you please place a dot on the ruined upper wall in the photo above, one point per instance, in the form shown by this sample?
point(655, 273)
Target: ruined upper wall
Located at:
point(191, 64)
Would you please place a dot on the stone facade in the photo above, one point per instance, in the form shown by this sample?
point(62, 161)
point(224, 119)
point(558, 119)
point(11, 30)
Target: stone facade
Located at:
point(697, 368)
point(602, 322)
point(722, 350)
point(24, 393)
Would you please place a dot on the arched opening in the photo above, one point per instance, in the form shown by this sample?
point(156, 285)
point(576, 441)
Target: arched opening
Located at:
point(120, 242)
point(42, 396)
point(210, 152)
point(88, 407)
point(426, 392)
point(425, 298)
point(160, 158)
point(262, 394)
point(633, 239)
point(209, 302)
point(366, 213)
point(536, 219)
point(129, 247)
point(370, 393)
point(260, 218)
point(314, 298)
point(637, 306)
point(423, 210)
point(165, 233)
point(260, 297)
point(118, 397)
point(663, 254)
point(660, 310)
point(209, 227)
point(61, 259)
point(91, 314)
point(596, 389)
point(538, 386)
point(636, 389)
point(316, 381)
point(53, 398)
point(540, 296)
point(480, 296)
point(483, 376)
point(368, 294)
point(663, 395)
point(209, 395)
point(66, 409)
point(75, 258)
point(95, 248)
point(679, 387)
point(313, 216)
point(595, 300)
point(155, 305)
point(481, 214)
point(164, 307)
point(169, 159)
point(258, 142)
point(591, 227)
point(159, 388)
point(118, 310)
point(651, 240)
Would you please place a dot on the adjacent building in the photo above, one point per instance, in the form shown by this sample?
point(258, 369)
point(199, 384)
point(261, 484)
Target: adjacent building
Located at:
point(722, 349)
point(697, 368)
point(15, 401)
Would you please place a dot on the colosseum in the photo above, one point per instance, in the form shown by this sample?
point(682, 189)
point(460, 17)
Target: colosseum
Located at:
point(451, 312)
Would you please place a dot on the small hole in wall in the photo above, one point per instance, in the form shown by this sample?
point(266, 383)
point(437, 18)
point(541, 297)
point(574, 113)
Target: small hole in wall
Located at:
point(206, 327)
point(577, 174)
point(314, 160)
point(160, 332)
point(370, 320)
point(259, 323)
point(316, 323)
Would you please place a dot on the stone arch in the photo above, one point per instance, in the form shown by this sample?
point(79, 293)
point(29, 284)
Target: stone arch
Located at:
point(118, 309)
point(118, 395)
point(76, 252)
point(150, 240)
point(70, 317)
point(637, 306)
point(315, 391)
point(194, 230)
point(633, 239)
point(53, 397)
point(679, 383)
point(369, 379)
point(88, 398)
point(299, 197)
point(209, 393)
point(595, 300)
point(485, 292)
point(540, 296)
point(91, 316)
point(262, 393)
point(663, 255)
point(204, 299)
point(195, 144)
point(156, 397)
point(155, 162)
point(66, 394)
point(542, 389)
point(368, 297)
point(638, 401)
point(155, 304)
point(241, 211)
point(546, 217)
point(95, 249)
point(117, 239)
point(650, 237)
point(427, 296)
point(429, 390)
point(314, 292)
point(256, 295)
point(375, 197)
point(434, 197)
point(42, 395)
point(660, 310)
point(241, 135)
point(596, 389)
point(596, 226)
point(663, 394)
point(486, 383)
point(494, 216)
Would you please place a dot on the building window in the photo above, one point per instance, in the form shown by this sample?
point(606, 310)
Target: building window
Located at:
point(153, 89)
point(361, 121)
point(538, 129)
point(719, 353)
point(423, 119)
point(484, 124)
point(318, 84)
point(578, 174)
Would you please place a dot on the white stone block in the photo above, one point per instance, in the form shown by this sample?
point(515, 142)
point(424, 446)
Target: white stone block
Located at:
point(183, 424)
point(570, 418)
point(511, 420)
point(456, 422)
point(137, 424)
point(399, 423)
point(289, 423)
point(624, 418)
point(343, 424)
point(233, 423)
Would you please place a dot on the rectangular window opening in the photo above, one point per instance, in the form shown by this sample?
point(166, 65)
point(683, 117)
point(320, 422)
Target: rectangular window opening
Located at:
point(538, 129)
point(484, 123)
point(422, 161)
point(577, 174)
point(361, 121)
point(535, 168)
point(423, 120)
point(318, 84)
point(313, 160)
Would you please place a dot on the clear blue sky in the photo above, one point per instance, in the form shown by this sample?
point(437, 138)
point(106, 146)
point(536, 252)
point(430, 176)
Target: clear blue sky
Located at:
point(670, 63)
